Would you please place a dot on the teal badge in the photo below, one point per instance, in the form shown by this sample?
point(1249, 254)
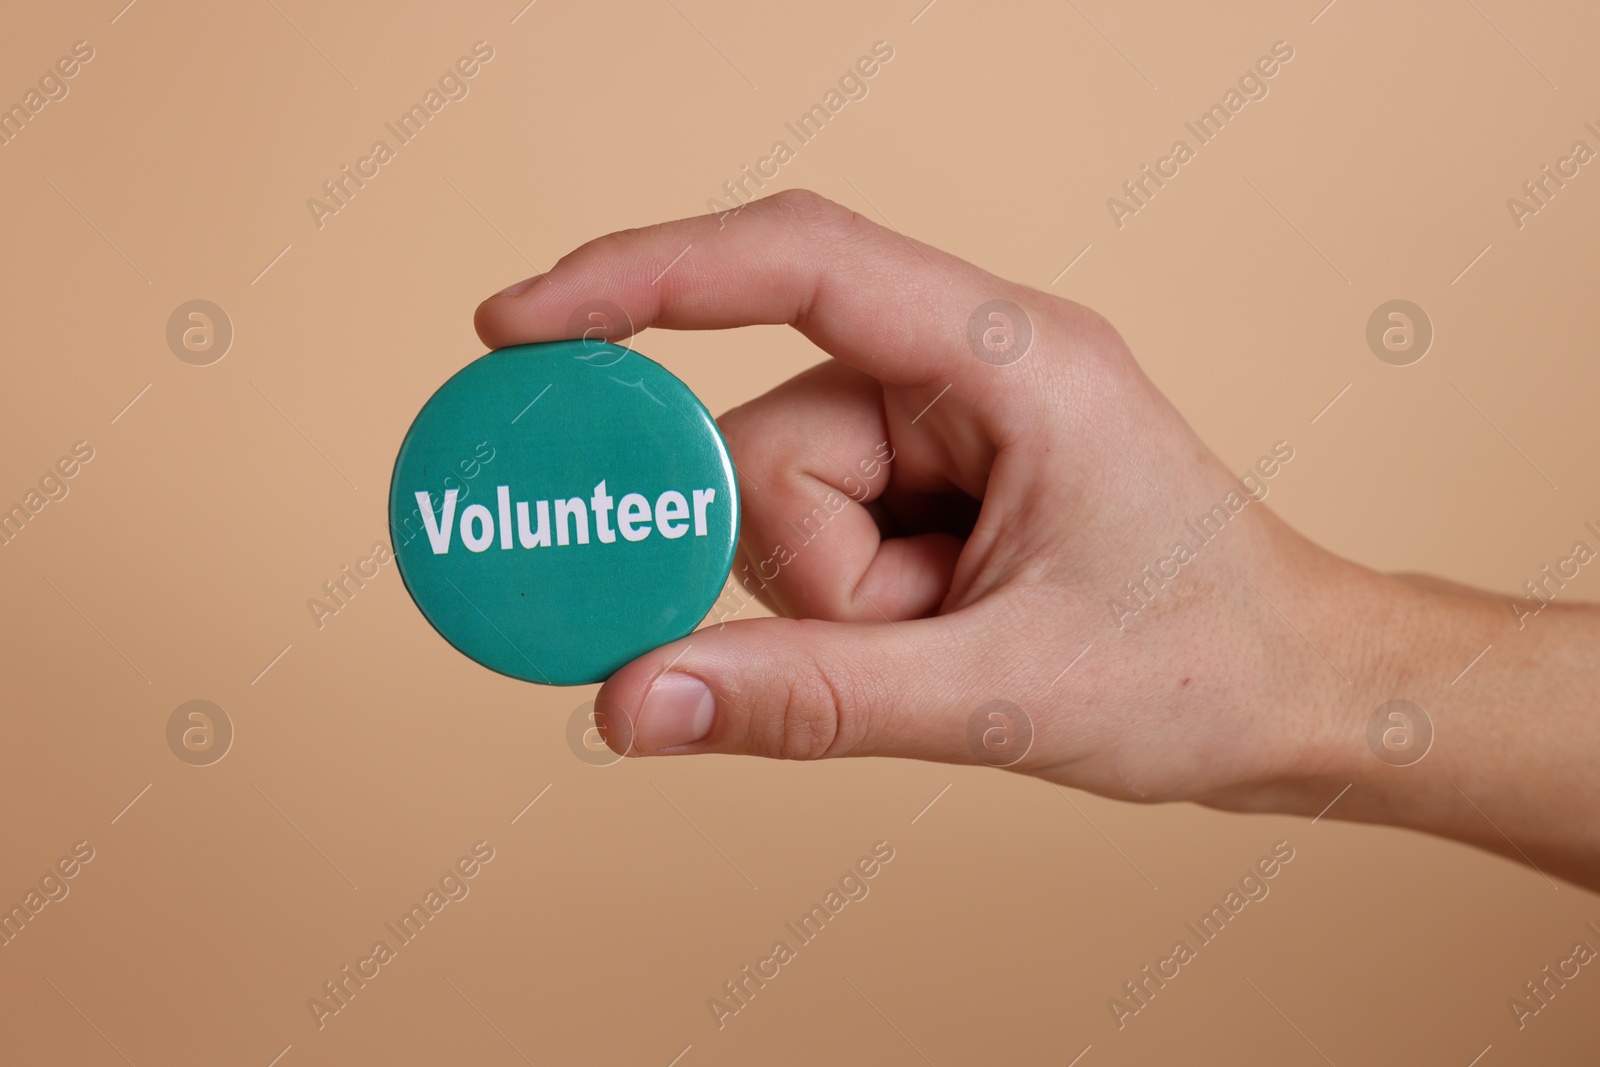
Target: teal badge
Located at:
point(560, 509)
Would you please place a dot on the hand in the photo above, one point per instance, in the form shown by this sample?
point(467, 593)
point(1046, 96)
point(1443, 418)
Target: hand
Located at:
point(981, 560)
point(1043, 530)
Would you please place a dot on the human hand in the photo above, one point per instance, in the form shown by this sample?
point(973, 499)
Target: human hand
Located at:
point(991, 557)
point(949, 518)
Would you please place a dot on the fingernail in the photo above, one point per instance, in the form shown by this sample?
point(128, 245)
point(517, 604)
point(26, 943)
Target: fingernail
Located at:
point(521, 287)
point(677, 710)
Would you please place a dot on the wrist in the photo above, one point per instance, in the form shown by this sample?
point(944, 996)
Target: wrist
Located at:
point(1340, 642)
point(1448, 717)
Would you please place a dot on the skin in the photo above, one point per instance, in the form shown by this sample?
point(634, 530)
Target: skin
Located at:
point(986, 557)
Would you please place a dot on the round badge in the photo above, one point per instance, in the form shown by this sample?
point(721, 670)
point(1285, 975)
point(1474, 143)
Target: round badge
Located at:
point(560, 509)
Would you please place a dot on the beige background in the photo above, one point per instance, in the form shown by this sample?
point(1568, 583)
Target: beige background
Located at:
point(370, 755)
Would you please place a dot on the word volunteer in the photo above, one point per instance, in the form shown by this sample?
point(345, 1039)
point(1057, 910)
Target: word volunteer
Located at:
point(671, 514)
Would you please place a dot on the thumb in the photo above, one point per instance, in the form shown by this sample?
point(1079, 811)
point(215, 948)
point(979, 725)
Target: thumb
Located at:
point(800, 689)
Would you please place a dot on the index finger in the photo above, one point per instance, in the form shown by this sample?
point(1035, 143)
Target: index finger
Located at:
point(889, 306)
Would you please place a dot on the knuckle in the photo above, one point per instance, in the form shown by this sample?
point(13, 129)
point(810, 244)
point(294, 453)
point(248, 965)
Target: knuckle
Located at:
point(805, 204)
point(809, 723)
point(1077, 343)
point(815, 215)
point(749, 439)
point(1093, 332)
point(735, 424)
point(1107, 339)
point(817, 710)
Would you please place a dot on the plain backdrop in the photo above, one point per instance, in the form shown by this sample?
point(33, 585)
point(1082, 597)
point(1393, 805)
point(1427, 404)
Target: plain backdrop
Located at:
point(368, 756)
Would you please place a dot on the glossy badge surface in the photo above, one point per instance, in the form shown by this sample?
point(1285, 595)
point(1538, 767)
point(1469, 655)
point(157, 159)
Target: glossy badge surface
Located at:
point(560, 509)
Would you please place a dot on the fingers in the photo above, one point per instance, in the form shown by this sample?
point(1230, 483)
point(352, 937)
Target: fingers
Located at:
point(871, 297)
point(815, 451)
point(799, 689)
